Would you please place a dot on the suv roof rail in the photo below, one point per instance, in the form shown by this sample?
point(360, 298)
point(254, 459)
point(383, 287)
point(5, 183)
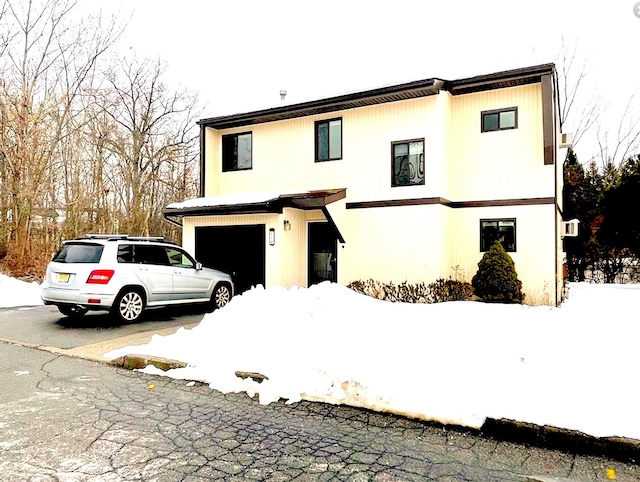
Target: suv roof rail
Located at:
point(104, 236)
point(147, 238)
point(119, 237)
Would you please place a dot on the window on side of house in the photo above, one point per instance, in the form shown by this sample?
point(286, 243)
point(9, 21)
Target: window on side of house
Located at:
point(328, 140)
point(407, 163)
point(236, 152)
point(503, 230)
point(500, 119)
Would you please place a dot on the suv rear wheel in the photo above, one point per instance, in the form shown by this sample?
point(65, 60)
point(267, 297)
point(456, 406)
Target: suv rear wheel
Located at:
point(221, 296)
point(128, 305)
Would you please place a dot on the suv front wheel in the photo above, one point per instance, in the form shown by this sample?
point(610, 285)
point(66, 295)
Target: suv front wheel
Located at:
point(129, 305)
point(221, 296)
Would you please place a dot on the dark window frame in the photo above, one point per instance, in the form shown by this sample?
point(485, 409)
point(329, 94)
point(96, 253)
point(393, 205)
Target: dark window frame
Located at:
point(393, 173)
point(486, 113)
point(233, 160)
point(317, 144)
point(485, 245)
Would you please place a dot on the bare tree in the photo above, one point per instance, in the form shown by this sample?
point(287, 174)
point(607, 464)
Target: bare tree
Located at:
point(46, 63)
point(571, 77)
point(153, 139)
point(618, 145)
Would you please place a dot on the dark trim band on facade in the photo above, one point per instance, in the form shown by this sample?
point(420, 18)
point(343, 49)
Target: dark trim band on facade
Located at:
point(535, 201)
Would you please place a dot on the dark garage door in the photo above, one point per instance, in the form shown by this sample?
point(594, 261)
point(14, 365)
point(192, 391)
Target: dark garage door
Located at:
point(234, 249)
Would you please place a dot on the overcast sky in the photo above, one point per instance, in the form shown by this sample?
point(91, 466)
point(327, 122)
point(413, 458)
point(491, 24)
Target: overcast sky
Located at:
point(238, 55)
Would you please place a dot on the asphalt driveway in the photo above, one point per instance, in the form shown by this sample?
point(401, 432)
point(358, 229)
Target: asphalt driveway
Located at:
point(44, 326)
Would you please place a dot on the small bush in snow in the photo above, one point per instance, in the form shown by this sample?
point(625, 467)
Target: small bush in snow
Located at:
point(436, 292)
point(496, 279)
point(450, 290)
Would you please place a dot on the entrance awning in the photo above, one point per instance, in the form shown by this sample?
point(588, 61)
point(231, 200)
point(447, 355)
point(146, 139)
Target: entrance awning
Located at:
point(255, 203)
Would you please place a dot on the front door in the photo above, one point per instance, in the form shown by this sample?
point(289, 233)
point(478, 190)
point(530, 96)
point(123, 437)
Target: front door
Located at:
point(322, 253)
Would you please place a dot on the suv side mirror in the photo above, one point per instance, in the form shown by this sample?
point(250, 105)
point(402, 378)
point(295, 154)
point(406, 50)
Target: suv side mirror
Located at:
point(198, 265)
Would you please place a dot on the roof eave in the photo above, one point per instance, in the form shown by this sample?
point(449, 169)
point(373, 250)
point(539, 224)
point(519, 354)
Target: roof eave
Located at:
point(393, 93)
point(499, 80)
point(410, 90)
point(309, 200)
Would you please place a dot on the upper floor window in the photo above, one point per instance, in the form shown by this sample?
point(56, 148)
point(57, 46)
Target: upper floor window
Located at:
point(328, 140)
point(500, 119)
point(407, 163)
point(503, 230)
point(236, 152)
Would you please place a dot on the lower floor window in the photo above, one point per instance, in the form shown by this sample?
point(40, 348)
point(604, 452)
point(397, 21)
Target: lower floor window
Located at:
point(503, 230)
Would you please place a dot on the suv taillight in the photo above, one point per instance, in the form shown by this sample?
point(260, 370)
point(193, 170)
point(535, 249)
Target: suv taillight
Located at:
point(100, 276)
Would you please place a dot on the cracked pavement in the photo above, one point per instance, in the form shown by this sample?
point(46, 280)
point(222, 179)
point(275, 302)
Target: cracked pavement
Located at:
point(67, 419)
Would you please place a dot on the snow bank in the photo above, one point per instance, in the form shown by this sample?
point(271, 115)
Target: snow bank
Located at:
point(457, 362)
point(14, 292)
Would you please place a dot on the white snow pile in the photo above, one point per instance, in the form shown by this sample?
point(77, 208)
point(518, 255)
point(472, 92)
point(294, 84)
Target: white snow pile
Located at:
point(14, 292)
point(573, 367)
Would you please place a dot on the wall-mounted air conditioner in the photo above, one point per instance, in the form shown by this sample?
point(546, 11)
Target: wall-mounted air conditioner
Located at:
point(566, 140)
point(570, 228)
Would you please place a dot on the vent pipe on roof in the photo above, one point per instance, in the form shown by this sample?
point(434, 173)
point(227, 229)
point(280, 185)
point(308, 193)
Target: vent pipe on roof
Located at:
point(283, 94)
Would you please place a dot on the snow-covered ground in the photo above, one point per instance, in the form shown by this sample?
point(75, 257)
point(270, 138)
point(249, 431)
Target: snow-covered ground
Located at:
point(574, 367)
point(14, 292)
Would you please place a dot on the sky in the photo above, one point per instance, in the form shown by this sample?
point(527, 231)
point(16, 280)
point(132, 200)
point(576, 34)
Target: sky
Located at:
point(457, 363)
point(239, 55)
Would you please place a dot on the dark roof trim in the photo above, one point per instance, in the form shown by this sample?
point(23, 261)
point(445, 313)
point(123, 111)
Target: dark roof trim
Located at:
point(410, 90)
point(393, 93)
point(499, 80)
point(306, 201)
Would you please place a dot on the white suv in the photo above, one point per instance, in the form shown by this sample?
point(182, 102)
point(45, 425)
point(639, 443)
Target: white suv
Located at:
point(126, 274)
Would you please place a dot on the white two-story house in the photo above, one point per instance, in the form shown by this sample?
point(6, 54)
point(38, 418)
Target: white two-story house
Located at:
point(410, 182)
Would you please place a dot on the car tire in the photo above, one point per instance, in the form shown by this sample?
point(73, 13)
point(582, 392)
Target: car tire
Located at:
point(221, 296)
point(72, 312)
point(129, 305)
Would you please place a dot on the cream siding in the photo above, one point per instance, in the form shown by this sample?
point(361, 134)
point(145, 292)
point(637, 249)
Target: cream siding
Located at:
point(507, 164)
point(535, 246)
point(391, 244)
point(283, 153)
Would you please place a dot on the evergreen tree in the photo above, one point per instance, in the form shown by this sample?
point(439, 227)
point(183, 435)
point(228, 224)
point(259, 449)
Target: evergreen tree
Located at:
point(621, 210)
point(496, 279)
point(582, 195)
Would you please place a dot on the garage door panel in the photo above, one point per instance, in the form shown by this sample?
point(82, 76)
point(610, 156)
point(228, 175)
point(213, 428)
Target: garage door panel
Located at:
point(239, 250)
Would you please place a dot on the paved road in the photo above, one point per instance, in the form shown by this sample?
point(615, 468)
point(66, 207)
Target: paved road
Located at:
point(45, 326)
point(69, 419)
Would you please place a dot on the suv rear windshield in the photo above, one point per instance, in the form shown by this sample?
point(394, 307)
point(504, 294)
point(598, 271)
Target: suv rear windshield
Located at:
point(79, 253)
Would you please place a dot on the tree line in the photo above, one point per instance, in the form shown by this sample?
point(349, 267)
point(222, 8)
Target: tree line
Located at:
point(606, 201)
point(90, 141)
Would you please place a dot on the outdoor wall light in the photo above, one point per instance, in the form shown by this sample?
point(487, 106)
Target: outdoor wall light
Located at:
point(287, 225)
point(272, 236)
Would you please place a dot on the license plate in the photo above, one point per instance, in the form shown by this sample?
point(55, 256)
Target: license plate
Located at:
point(62, 277)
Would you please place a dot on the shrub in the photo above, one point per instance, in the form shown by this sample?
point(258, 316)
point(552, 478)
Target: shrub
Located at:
point(450, 290)
point(3, 249)
point(436, 292)
point(496, 279)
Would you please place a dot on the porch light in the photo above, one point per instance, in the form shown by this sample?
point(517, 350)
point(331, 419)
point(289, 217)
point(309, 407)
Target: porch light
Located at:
point(287, 225)
point(272, 236)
